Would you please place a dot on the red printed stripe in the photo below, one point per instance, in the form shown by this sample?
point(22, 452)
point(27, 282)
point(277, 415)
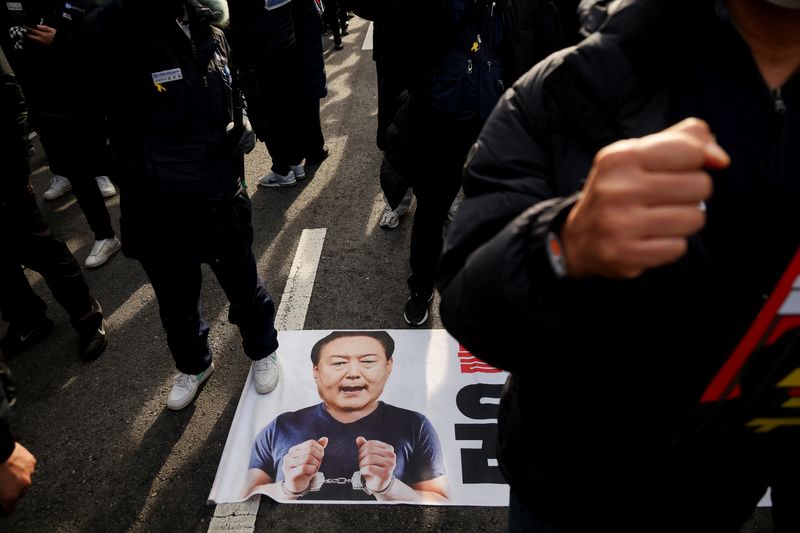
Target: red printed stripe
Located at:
point(472, 365)
point(755, 335)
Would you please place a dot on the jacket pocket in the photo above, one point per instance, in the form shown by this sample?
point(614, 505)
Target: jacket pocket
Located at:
point(183, 170)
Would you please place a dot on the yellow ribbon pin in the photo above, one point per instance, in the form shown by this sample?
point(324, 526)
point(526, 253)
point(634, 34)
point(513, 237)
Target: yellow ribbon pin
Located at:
point(160, 88)
point(475, 47)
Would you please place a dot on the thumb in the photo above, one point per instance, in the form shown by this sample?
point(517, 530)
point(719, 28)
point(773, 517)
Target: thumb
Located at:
point(360, 441)
point(716, 157)
point(323, 441)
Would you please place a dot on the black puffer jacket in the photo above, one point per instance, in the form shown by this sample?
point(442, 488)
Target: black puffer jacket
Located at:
point(607, 373)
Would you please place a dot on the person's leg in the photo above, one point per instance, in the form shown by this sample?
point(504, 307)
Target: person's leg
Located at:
point(21, 308)
point(331, 16)
point(177, 283)
point(76, 149)
point(435, 188)
point(251, 306)
point(273, 107)
point(311, 130)
point(51, 258)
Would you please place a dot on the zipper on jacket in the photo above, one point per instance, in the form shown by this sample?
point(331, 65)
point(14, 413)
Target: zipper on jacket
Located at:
point(779, 141)
point(777, 100)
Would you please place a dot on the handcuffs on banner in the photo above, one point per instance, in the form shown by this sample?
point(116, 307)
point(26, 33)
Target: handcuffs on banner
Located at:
point(316, 483)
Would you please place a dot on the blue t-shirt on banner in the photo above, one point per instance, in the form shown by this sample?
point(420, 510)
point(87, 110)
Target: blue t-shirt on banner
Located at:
point(415, 442)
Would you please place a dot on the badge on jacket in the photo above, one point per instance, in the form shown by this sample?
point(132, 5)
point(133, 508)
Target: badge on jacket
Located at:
point(166, 76)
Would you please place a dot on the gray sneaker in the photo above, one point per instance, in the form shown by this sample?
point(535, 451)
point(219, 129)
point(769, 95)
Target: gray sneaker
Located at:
point(299, 171)
point(185, 388)
point(276, 180)
point(266, 373)
point(107, 188)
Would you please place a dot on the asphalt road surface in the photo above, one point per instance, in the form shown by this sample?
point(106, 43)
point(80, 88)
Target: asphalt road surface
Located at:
point(111, 457)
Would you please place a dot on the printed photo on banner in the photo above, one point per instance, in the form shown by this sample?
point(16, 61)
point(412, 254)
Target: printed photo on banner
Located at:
point(368, 417)
point(351, 445)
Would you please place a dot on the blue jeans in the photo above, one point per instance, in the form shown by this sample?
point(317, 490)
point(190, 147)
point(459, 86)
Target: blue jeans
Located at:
point(522, 520)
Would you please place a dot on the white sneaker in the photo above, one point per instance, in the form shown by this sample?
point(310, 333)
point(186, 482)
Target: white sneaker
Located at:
point(266, 373)
point(107, 188)
point(299, 171)
point(390, 220)
point(59, 186)
point(102, 251)
point(276, 180)
point(185, 388)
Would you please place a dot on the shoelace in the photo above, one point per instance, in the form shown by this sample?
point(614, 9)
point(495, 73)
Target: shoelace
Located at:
point(263, 364)
point(182, 380)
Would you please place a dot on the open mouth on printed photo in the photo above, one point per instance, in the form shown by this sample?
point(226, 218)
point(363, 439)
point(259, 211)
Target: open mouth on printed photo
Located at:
point(352, 390)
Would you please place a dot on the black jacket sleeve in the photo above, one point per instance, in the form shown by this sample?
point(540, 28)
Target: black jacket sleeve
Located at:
point(499, 292)
point(13, 134)
point(6, 439)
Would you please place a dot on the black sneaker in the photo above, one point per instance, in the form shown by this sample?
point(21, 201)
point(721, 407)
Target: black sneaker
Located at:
point(22, 336)
point(338, 46)
point(92, 342)
point(416, 312)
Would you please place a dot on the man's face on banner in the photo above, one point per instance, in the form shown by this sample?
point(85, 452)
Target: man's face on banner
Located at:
point(351, 373)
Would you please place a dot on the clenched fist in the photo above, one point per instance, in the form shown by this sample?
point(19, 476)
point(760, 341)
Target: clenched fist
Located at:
point(376, 462)
point(302, 462)
point(641, 202)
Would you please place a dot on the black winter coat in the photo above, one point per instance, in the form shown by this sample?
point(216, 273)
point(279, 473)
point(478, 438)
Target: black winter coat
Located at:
point(311, 62)
point(170, 102)
point(606, 374)
point(57, 78)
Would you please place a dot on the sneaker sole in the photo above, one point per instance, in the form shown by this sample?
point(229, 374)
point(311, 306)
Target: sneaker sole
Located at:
point(413, 325)
point(390, 226)
point(424, 319)
point(266, 389)
point(186, 403)
point(278, 185)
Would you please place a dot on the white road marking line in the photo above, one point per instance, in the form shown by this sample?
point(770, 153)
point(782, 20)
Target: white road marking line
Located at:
point(291, 315)
point(292, 311)
point(368, 44)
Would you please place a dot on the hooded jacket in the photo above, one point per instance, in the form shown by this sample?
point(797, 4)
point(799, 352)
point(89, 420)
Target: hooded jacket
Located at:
point(606, 374)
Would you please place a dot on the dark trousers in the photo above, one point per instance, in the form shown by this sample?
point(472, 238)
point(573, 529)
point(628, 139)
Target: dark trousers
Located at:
point(311, 127)
point(177, 284)
point(273, 106)
point(76, 149)
point(336, 18)
point(436, 184)
point(28, 241)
